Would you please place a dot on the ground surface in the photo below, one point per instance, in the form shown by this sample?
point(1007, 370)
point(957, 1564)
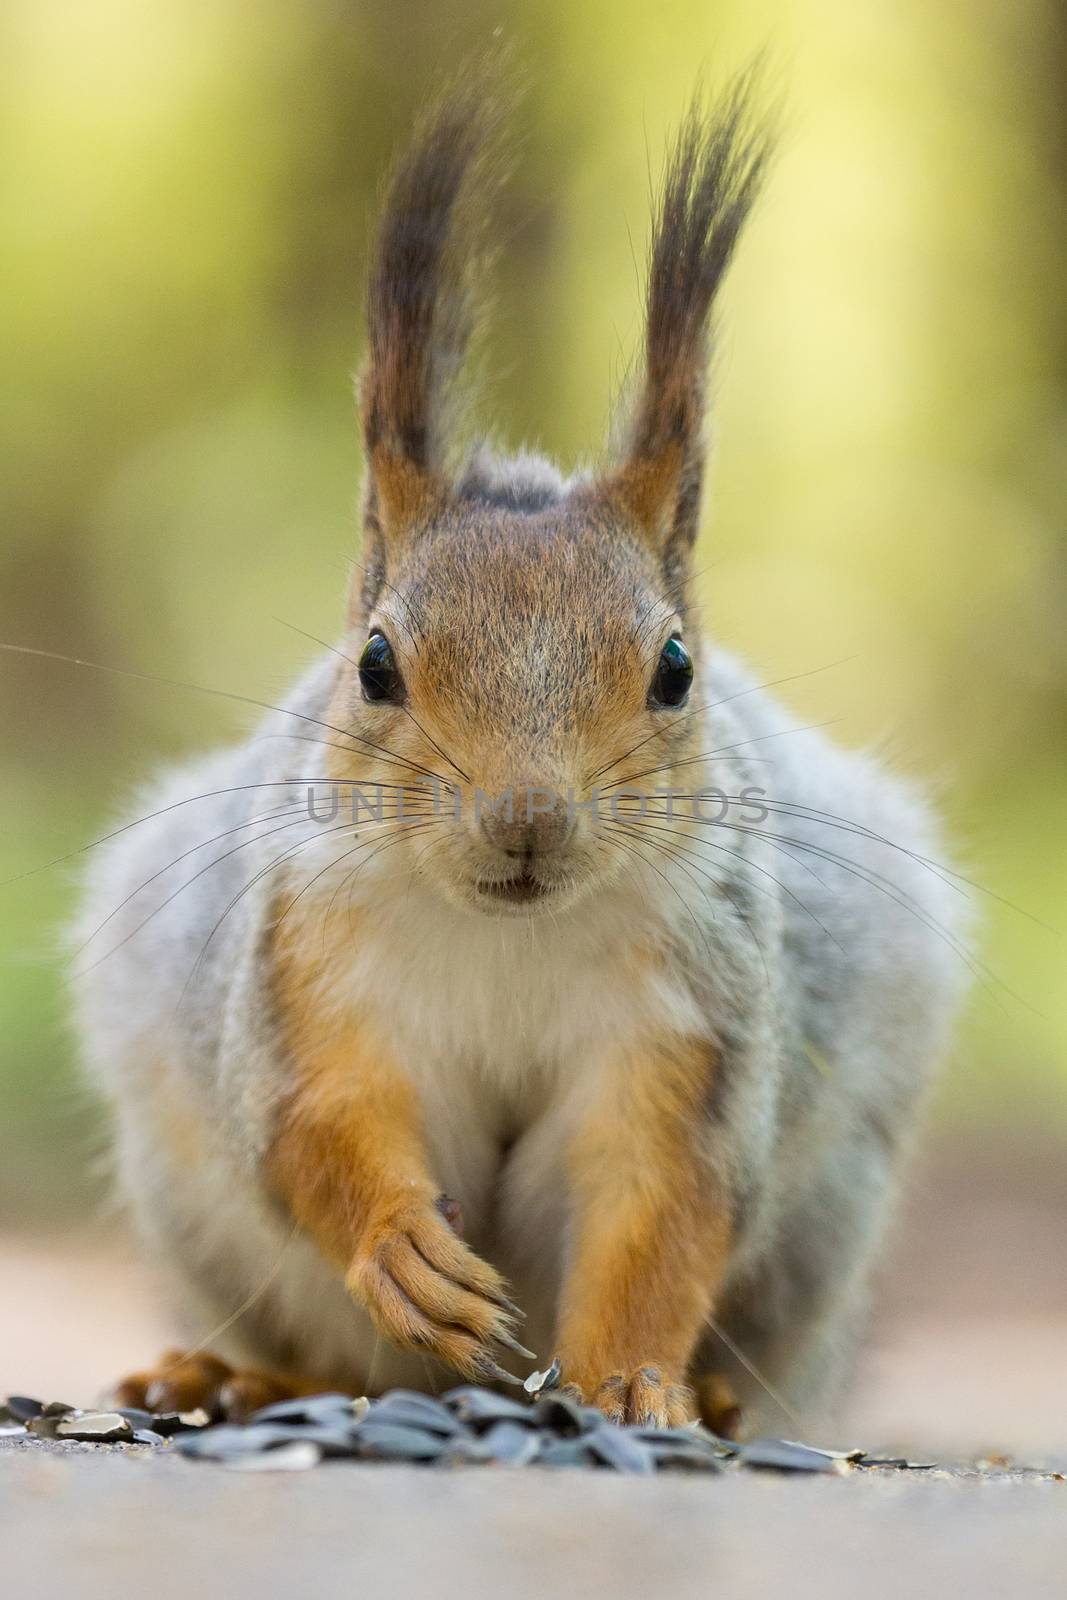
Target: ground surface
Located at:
point(968, 1353)
point(94, 1522)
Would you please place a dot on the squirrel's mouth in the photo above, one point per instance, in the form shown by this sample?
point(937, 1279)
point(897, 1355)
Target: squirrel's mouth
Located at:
point(518, 891)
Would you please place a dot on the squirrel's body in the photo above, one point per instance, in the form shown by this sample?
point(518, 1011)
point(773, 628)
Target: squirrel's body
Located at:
point(675, 1096)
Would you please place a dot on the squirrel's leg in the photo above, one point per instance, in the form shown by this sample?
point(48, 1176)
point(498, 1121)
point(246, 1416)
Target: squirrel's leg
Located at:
point(198, 1381)
point(652, 1233)
point(349, 1159)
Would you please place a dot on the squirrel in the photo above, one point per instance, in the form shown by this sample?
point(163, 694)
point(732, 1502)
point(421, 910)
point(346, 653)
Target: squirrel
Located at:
point(530, 955)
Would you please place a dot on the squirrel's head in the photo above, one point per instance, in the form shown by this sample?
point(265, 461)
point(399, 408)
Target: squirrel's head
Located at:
point(522, 646)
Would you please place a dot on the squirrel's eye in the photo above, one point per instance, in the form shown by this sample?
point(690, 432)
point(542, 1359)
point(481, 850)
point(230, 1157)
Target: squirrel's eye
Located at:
point(379, 674)
point(674, 675)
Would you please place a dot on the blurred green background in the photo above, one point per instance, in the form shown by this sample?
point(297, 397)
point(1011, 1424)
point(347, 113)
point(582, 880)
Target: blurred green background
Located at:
point(188, 187)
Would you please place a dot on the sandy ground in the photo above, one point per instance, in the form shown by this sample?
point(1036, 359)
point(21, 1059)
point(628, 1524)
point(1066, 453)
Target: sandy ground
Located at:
point(968, 1353)
point(967, 1350)
point(94, 1523)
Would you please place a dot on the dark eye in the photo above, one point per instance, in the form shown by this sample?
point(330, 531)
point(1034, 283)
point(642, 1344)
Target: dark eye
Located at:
point(379, 674)
point(674, 675)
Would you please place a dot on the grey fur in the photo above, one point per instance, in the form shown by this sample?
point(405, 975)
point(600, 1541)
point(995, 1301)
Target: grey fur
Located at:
point(817, 961)
point(813, 1146)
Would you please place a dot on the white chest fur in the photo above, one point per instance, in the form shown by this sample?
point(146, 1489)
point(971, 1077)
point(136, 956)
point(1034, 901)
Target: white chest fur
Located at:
point(506, 1025)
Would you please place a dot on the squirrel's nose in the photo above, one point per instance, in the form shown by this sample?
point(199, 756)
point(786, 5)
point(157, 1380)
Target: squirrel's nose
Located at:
point(527, 821)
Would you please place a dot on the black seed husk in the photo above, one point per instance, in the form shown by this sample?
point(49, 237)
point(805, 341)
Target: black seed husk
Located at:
point(23, 1408)
point(785, 1455)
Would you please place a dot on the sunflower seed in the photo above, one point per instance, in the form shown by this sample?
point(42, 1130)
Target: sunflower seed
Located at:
point(564, 1416)
point(681, 1457)
point(232, 1439)
point(95, 1427)
point(169, 1423)
point(385, 1441)
point(511, 1443)
point(22, 1408)
point(668, 1440)
point(566, 1453)
point(465, 1450)
point(785, 1455)
point(328, 1408)
point(541, 1382)
point(228, 1439)
point(468, 1425)
point(136, 1417)
point(480, 1407)
point(415, 1411)
point(331, 1440)
point(617, 1447)
point(296, 1456)
point(722, 1447)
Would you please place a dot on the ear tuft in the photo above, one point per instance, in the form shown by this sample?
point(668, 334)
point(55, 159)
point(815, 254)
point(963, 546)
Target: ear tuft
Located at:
point(713, 174)
point(421, 309)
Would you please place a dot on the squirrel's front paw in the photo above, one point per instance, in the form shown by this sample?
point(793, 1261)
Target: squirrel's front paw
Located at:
point(425, 1290)
point(646, 1396)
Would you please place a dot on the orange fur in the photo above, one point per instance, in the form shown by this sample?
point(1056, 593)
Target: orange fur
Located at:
point(408, 496)
point(718, 1405)
point(349, 1159)
point(647, 488)
point(652, 1235)
point(198, 1381)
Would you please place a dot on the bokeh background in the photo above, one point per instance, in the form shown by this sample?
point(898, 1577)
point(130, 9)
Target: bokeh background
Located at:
point(187, 188)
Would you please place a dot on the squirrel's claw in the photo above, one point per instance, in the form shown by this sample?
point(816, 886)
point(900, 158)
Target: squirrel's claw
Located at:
point(491, 1371)
point(426, 1290)
point(510, 1343)
point(510, 1306)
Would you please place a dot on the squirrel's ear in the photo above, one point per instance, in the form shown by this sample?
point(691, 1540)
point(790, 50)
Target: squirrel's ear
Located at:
point(712, 176)
point(421, 311)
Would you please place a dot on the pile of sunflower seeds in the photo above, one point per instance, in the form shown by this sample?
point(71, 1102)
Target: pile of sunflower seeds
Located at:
point(56, 1420)
point(466, 1426)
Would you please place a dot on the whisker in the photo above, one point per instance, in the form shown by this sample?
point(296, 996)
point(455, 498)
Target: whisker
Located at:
point(416, 790)
point(632, 846)
point(150, 816)
point(713, 705)
point(725, 749)
point(341, 885)
point(246, 1305)
point(201, 844)
point(983, 974)
point(676, 855)
point(170, 898)
point(952, 878)
point(419, 623)
point(222, 694)
point(350, 881)
point(755, 866)
point(754, 1372)
point(271, 866)
point(641, 815)
point(418, 828)
point(388, 759)
point(298, 813)
point(340, 653)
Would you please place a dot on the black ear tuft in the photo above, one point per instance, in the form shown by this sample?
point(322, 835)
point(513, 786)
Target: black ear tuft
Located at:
point(420, 305)
point(713, 175)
